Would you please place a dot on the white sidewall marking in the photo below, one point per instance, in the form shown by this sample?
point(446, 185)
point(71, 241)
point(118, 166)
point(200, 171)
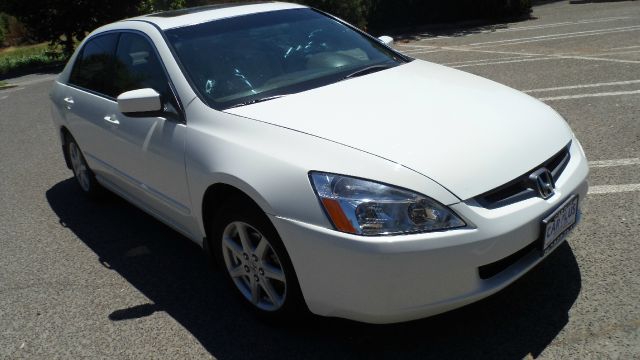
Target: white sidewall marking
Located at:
point(554, 36)
point(614, 162)
point(506, 62)
point(580, 96)
point(611, 189)
point(583, 86)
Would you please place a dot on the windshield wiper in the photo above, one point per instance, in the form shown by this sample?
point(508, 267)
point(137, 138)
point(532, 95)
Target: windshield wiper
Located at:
point(255, 101)
point(369, 70)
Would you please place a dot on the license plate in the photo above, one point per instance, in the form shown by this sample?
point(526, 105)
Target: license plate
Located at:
point(556, 226)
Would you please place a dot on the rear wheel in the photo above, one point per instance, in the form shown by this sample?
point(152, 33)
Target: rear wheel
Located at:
point(81, 171)
point(255, 261)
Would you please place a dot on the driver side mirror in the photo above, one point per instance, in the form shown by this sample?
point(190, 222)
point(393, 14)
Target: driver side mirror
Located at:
point(387, 40)
point(139, 101)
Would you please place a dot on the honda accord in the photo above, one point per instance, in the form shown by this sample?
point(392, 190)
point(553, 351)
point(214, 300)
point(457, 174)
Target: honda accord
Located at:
point(324, 170)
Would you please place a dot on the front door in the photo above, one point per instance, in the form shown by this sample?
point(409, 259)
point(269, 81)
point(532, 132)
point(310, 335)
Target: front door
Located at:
point(148, 152)
point(142, 158)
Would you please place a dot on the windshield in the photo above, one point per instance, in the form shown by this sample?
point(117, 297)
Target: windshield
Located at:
point(247, 59)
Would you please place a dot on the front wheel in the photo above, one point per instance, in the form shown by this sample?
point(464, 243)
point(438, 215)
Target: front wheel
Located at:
point(256, 262)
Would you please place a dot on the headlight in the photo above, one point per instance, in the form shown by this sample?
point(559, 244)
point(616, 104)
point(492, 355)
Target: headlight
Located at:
point(366, 207)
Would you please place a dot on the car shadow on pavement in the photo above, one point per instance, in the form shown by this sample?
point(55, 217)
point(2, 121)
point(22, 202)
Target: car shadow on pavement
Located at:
point(447, 30)
point(171, 271)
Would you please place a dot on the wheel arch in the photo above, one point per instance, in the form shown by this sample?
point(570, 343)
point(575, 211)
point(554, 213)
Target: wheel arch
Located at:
point(217, 195)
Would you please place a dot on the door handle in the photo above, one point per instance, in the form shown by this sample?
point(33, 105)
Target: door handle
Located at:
point(112, 119)
point(69, 101)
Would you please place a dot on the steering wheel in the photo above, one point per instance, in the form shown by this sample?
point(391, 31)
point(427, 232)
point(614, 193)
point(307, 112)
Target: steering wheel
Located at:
point(232, 82)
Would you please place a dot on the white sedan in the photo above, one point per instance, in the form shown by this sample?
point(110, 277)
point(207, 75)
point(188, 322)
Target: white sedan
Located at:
point(321, 168)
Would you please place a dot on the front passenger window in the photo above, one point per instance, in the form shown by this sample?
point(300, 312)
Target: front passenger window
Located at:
point(138, 67)
point(93, 68)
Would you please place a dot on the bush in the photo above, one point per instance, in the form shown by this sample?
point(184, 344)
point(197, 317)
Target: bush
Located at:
point(15, 60)
point(354, 11)
point(3, 27)
point(388, 14)
point(151, 6)
point(373, 15)
point(382, 15)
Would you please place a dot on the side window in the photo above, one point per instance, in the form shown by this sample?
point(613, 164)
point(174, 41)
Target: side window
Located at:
point(137, 66)
point(94, 66)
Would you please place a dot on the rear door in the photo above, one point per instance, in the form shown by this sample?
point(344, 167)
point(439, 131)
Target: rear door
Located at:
point(88, 95)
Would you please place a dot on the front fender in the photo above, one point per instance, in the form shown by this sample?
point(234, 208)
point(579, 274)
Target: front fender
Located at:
point(271, 164)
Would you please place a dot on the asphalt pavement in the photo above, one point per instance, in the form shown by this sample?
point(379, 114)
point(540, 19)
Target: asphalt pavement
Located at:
point(80, 279)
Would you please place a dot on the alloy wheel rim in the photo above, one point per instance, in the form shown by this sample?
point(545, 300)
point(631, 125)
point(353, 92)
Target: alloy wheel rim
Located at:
point(254, 266)
point(80, 169)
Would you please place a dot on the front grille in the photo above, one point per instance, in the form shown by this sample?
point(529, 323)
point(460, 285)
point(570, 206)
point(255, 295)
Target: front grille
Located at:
point(490, 270)
point(521, 188)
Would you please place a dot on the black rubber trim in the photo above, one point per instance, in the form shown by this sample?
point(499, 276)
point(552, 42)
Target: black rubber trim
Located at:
point(490, 270)
point(520, 188)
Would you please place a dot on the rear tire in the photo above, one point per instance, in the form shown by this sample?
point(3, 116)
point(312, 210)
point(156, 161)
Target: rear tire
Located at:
point(85, 178)
point(255, 262)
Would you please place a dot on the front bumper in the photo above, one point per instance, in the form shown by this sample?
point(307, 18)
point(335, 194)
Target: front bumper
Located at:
point(400, 278)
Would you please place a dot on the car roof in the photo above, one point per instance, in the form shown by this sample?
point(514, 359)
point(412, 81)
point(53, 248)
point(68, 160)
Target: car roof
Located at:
point(197, 15)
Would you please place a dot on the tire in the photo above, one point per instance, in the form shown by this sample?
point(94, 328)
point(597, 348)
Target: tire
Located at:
point(85, 178)
point(256, 264)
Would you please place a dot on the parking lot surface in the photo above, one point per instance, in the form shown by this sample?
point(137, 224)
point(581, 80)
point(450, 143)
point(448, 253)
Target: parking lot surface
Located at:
point(85, 279)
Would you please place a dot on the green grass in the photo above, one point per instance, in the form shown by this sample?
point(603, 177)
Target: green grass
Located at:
point(23, 58)
point(5, 85)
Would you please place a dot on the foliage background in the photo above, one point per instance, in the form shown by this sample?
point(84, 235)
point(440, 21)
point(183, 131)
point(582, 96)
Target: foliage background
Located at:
point(64, 23)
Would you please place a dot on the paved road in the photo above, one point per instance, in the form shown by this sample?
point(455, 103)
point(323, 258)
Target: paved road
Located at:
point(80, 279)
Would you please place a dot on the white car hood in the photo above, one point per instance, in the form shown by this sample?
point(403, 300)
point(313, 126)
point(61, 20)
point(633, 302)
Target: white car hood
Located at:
point(465, 132)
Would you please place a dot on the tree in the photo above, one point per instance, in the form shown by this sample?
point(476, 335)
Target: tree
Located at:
point(150, 6)
point(353, 11)
point(64, 22)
